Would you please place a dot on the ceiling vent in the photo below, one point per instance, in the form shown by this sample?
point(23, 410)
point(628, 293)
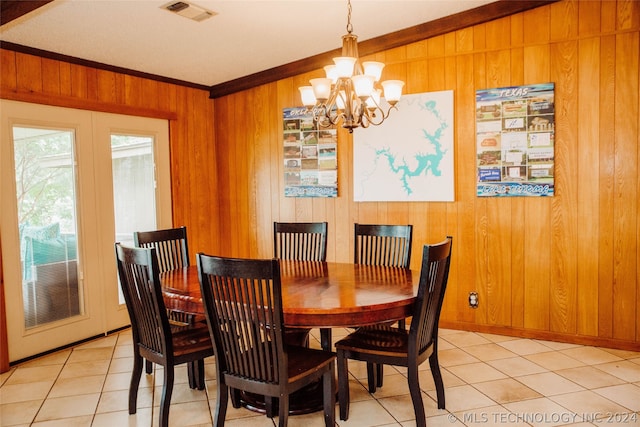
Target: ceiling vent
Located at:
point(189, 10)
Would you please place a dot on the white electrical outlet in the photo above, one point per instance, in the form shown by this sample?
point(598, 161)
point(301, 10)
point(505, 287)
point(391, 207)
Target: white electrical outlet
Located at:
point(473, 299)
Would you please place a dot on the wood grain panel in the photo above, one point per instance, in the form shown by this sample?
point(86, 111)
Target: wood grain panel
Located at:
point(537, 231)
point(625, 285)
point(606, 175)
point(564, 205)
point(588, 191)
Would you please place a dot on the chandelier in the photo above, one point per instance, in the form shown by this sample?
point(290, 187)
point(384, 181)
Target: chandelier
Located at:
point(351, 91)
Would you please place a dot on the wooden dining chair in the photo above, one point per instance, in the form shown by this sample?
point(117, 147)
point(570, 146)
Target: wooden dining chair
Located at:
point(154, 339)
point(172, 250)
point(171, 246)
point(243, 307)
point(395, 346)
point(388, 245)
point(301, 241)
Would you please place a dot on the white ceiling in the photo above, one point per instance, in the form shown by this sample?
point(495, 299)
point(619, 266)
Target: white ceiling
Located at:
point(245, 37)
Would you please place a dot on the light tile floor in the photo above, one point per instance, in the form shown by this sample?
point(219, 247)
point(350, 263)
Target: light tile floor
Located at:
point(490, 380)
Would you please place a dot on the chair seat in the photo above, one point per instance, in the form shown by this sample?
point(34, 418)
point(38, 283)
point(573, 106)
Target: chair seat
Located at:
point(192, 339)
point(304, 360)
point(379, 340)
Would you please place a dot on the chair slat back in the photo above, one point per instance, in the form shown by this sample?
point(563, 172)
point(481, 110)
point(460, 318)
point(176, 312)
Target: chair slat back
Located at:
point(388, 245)
point(242, 300)
point(433, 282)
point(302, 241)
point(171, 246)
point(138, 272)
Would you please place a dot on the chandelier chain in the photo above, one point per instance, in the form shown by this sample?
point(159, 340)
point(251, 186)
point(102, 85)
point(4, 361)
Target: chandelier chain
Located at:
point(349, 26)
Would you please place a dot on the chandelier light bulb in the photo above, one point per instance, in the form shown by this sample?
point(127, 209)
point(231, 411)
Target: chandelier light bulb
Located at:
point(373, 68)
point(321, 88)
point(392, 90)
point(344, 65)
point(308, 98)
point(363, 85)
point(331, 72)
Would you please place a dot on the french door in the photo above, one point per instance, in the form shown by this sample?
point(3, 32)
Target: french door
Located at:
point(73, 183)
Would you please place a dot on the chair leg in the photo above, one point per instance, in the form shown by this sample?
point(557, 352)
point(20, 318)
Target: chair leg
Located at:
point(437, 378)
point(192, 374)
point(135, 382)
point(268, 406)
point(416, 396)
point(221, 405)
point(380, 374)
point(195, 371)
point(148, 367)
point(165, 400)
point(325, 339)
point(372, 374)
point(235, 398)
point(343, 385)
point(283, 412)
point(329, 397)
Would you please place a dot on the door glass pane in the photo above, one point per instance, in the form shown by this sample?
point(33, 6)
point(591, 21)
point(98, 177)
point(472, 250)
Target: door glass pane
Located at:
point(133, 187)
point(46, 200)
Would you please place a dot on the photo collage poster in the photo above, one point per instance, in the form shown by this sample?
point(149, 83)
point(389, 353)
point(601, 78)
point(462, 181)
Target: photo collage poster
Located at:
point(310, 156)
point(515, 141)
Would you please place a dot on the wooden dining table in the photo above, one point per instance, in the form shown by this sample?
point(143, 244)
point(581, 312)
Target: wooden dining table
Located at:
point(316, 295)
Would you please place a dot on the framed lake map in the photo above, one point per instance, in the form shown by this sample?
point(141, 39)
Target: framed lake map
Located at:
point(408, 158)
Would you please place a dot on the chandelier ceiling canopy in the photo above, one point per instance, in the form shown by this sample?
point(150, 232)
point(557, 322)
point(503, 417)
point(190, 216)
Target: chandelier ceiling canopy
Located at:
point(351, 91)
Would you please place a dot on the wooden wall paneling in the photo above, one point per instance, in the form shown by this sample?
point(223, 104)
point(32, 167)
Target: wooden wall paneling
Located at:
point(473, 205)
point(563, 17)
point(181, 170)
point(50, 76)
point(628, 15)
point(79, 81)
point(92, 85)
point(286, 205)
point(606, 176)
point(224, 117)
point(346, 210)
point(625, 286)
point(517, 262)
point(106, 85)
point(588, 17)
point(459, 77)
point(28, 73)
point(537, 232)
point(265, 128)
point(588, 191)
point(254, 127)
point(564, 205)
point(242, 170)
point(8, 74)
point(536, 25)
point(204, 209)
point(499, 220)
point(637, 339)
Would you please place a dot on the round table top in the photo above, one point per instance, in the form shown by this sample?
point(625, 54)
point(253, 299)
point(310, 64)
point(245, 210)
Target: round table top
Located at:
point(319, 294)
